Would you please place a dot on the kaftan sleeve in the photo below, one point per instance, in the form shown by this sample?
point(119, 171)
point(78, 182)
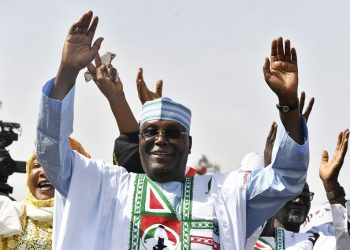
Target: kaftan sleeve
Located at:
point(341, 217)
point(270, 188)
point(55, 124)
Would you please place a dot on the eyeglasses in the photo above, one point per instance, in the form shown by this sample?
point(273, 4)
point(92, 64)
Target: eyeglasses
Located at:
point(306, 195)
point(153, 133)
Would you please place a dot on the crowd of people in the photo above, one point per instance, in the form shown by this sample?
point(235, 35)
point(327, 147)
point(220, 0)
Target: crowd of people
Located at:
point(152, 199)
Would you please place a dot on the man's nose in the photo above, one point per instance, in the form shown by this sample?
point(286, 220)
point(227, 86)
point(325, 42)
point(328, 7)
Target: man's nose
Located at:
point(161, 137)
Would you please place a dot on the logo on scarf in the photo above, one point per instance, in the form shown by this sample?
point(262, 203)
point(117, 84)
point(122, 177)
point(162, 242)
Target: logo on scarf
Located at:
point(160, 237)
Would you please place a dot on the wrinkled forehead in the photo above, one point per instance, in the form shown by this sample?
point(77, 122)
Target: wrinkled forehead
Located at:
point(165, 109)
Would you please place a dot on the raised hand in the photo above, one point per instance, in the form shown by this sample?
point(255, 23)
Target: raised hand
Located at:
point(144, 93)
point(308, 109)
point(282, 73)
point(77, 54)
point(107, 79)
point(109, 83)
point(77, 50)
point(329, 170)
point(282, 77)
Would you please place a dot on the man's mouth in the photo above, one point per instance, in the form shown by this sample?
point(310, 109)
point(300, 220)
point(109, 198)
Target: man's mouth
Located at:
point(161, 153)
point(298, 207)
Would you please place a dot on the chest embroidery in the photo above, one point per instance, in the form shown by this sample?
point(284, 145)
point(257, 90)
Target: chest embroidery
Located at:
point(155, 225)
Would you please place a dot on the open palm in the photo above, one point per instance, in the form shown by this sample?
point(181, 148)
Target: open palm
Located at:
point(329, 170)
point(282, 73)
point(77, 51)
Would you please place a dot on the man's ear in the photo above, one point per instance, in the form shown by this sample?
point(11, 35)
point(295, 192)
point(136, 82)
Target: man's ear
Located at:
point(189, 144)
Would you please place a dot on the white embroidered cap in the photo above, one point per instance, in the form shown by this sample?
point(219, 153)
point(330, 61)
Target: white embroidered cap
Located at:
point(166, 109)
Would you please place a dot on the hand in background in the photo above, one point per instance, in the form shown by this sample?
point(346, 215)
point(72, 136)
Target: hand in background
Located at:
point(329, 169)
point(107, 79)
point(144, 93)
point(308, 109)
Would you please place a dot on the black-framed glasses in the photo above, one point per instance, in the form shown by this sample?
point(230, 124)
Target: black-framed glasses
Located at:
point(307, 195)
point(170, 134)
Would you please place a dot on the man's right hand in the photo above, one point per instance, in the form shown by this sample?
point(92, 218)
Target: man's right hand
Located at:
point(77, 51)
point(77, 54)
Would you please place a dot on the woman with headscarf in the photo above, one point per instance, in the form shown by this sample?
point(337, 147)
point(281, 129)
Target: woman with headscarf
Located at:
point(28, 224)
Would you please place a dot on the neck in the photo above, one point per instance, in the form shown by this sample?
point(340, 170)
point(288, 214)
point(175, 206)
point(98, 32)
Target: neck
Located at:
point(292, 227)
point(269, 229)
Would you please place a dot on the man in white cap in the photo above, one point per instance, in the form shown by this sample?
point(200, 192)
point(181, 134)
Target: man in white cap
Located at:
point(100, 206)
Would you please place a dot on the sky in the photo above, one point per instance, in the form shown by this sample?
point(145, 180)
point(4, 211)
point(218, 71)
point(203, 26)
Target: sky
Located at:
point(209, 55)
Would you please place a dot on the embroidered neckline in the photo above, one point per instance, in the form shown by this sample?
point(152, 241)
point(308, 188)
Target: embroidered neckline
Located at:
point(153, 214)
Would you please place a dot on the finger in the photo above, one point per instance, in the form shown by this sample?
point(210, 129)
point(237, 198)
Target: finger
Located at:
point(345, 145)
point(294, 59)
point(345, 137)
point(159, 88)
point(325, 157)
point(339, 141)
point(98, 61)
point(91, 30)
point(96, 46)
point(302, 102)
point(139, 75)
point(274, 131)
point(85, 22)
point(309, 109)
point(280, 51)
point(91, 68)
point(274, 51)
point(341, 150)
point(267, 70)
point(138, 86)
point(73, 28)
point(100, 72)
point(271, 130)
point(80, 23)
point(346, 141)
point(142, 91)
point(112, 73)
point(287, 51)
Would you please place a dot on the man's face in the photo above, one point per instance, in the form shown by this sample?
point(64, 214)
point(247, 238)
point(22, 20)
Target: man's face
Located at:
point(38, 184)
point(294, 212)
point(164, 147)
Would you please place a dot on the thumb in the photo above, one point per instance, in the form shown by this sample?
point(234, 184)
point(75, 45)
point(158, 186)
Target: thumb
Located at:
point(266, 69)
point(91, 68)
point(325, 157)
point(99, 71)
point(96, 46)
